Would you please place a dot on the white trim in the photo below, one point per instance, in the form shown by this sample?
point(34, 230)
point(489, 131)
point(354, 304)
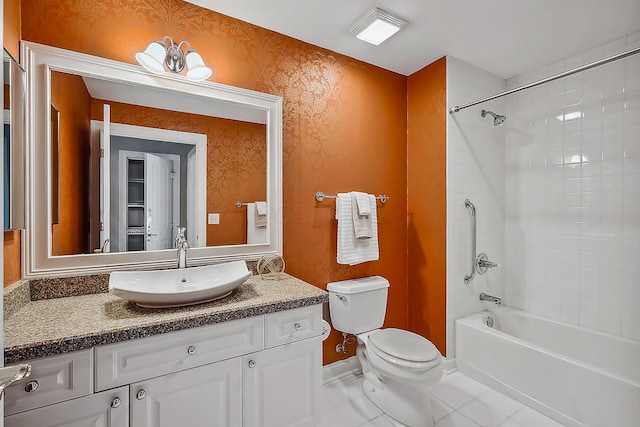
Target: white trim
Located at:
point(39, 61)
point(198, 140)
point(449, 365)
point(341, 368)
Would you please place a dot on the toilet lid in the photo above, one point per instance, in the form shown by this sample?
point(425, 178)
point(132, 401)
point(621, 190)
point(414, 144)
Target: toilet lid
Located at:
point(404, 345)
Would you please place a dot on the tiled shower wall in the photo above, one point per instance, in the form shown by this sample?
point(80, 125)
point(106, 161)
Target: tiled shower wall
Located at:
point(572, 193)
point(475, 171)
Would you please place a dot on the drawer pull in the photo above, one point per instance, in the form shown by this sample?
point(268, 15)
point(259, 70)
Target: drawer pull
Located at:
point(116, 402)
point(252, 363)
point(31, 386)
point(141, 394)
point(297, 326)
point(192, 350)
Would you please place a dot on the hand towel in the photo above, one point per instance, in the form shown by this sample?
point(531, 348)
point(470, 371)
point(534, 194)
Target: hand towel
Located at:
point(352, 250)
point(261, 214)
point(363, 203)
point(254, 234)
point(361, 222)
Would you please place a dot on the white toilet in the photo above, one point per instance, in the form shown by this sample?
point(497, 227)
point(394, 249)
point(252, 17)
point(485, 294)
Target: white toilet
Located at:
point(399, 367)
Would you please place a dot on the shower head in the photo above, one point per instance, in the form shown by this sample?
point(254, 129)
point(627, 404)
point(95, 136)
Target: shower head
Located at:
point(497, 118)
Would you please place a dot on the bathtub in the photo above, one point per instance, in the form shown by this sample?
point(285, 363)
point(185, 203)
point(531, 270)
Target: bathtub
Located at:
point(577, 376)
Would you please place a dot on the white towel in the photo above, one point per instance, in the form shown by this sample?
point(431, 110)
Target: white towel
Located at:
point(254, 234)
point(361, 222)
point(364, 209)
point(352, 250)
point(261, 214)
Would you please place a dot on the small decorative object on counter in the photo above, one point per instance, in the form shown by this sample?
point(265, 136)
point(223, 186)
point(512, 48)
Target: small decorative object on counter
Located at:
point(271, 267)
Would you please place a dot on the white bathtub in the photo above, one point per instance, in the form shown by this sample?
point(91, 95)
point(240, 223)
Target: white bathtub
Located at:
point(574, 375)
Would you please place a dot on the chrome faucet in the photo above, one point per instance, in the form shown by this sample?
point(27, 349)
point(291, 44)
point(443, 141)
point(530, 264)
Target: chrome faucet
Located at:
point(491, 298)
point(483, 264)
point(182, 245)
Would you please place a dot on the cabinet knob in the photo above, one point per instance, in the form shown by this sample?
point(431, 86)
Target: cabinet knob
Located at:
point(252, 363)
point(141, 394)
point(297, 326)
point(116, 402)
point(192, 350)
point(31, 386)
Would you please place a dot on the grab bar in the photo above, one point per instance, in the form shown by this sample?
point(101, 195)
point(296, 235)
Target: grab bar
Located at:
point(469, 277)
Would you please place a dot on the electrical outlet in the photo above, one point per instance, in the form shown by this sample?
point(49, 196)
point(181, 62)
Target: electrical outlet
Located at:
point(214, 218)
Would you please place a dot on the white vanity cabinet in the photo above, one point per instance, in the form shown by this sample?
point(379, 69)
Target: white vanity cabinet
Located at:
point(259, 371)
point(282, 385)
point(106, 409)
point(209, 395)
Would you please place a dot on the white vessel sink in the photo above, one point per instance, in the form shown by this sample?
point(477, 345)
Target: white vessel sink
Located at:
point(179, 287)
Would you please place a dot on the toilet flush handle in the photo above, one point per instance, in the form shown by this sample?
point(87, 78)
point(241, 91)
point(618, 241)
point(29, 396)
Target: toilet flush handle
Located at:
point(341, 297)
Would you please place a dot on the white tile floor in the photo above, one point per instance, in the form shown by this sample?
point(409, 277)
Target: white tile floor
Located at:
point(457, 401)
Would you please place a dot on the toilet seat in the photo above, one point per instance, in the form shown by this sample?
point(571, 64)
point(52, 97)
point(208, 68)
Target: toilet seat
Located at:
point(404, 348)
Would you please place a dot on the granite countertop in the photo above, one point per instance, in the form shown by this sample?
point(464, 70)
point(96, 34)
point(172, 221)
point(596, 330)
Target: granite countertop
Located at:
point(47, 327)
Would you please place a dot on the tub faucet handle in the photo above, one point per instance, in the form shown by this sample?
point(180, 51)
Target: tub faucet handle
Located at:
point(483, 264)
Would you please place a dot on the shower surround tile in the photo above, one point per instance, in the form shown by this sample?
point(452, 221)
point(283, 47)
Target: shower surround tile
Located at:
point(593, 203)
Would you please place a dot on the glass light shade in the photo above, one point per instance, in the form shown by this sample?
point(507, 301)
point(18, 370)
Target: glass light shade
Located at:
point(378, 31)
point(153, 57)
point(196, 70)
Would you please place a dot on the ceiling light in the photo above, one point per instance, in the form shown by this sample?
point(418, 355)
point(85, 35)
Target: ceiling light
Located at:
point(377, 26)
point(570, 116)
point(158, 54)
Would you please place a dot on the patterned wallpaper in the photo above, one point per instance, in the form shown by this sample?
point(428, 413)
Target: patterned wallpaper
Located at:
point(344, 125)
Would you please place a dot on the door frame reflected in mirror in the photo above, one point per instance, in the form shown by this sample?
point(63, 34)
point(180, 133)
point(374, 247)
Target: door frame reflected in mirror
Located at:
point(222, 100)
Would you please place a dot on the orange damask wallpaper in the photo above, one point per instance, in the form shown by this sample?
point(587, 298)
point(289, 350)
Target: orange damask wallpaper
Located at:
point(71, 99)
point(344, 125)
point(427, 213)
point(236, 167)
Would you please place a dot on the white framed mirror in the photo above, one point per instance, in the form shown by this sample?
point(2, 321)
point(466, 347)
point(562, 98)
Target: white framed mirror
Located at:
point(129, 156)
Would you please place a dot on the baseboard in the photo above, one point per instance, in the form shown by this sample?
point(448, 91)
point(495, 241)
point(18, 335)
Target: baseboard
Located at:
point(449, 365)
point(340, 368)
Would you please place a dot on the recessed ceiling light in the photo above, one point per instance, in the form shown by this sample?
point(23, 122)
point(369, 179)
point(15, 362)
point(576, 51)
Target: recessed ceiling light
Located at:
point(377, 26)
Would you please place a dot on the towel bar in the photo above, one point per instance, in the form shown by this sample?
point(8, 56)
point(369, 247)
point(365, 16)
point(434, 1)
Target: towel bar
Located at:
point(240, 204)
point(320, 196)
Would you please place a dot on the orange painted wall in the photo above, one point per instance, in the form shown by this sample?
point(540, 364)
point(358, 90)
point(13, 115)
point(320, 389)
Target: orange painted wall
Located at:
point(70, 97)
point(11, 33)
point(427, 204)
point(236, 170)
point(344, 124)
point(11, 257)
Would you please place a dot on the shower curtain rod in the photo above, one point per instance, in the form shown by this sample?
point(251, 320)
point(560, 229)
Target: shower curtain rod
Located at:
point(549, 79)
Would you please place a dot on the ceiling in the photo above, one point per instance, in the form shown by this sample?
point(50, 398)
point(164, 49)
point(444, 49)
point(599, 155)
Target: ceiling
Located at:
point(504, 37)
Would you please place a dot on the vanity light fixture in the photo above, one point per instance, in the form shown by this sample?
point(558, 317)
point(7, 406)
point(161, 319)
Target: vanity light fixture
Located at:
point(159, 53)
point(377, 26)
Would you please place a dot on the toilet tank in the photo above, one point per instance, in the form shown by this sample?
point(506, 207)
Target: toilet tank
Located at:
point(358, 305)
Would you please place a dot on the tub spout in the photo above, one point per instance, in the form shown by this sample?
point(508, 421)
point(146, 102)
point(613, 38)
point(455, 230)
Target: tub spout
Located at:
point(495, 300)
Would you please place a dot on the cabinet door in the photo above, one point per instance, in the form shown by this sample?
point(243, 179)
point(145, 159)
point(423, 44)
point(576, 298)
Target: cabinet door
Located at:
point(282, 385)
point(210, 395)
point(106, 409)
